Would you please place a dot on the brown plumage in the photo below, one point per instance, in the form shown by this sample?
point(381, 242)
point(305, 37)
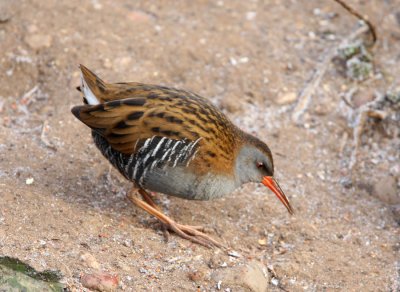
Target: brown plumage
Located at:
point(132, 112)
point(172, 141)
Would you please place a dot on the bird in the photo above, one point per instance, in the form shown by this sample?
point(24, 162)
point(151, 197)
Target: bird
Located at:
point(172, 141)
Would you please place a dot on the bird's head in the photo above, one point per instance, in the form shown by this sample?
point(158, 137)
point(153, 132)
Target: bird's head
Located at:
point(254, 163)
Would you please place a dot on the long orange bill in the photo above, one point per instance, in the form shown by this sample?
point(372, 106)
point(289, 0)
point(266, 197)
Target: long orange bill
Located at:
point(273, 185)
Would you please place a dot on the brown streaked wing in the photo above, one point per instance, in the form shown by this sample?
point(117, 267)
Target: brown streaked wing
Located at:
point(160, 111)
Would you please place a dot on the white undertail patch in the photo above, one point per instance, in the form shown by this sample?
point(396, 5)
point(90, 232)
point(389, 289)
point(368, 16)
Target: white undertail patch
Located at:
point(90, 97)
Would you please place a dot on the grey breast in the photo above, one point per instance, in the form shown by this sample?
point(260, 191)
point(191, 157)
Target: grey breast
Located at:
point(179, 182)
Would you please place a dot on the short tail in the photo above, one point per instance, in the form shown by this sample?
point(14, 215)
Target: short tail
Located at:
point(92, 87)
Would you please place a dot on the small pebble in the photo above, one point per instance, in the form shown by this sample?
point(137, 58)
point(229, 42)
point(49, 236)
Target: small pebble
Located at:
point(287, 98)
point(143, 271)
point(97, 5)
point(251, 15)
point(101, 281)
point(196, 276)
point(312, 35)
point(321, 175)
point(32, 28)
point(249, 277)
point(219, 285)
point(29, 181)
point(90, 261)
point(262, 241)
point(386, 190)
point(317, 11)
point(38, 41)
point(128, 242)
point(275, 281)
point(243, 60)
point(234, 254)
point(139, 16)
point(107, 63)
point(346, 182)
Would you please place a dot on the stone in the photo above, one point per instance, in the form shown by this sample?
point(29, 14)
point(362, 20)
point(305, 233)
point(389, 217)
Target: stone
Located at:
point(196, 276)
point(90, 261)
point(251, 15)
point(262, 241)
point(287, 98)
point(139, 16)
point(232, 105)
point(107, 63)
point(101, 281)
point(32, 28)
point(216, 261)
point(38, 41)
point(29, 181)
point(250, 276)
point(386, 190)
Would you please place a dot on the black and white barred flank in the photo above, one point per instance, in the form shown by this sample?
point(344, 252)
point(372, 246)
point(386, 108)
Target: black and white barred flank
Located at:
point(156, 152)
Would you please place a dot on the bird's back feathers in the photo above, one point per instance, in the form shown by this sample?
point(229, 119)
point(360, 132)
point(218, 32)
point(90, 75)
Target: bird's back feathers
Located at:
point(128, 114)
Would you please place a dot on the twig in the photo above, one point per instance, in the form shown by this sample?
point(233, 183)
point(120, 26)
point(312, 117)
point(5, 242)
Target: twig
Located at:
point(26, 99)
point(363, 112)
point(348, 96)
point(343, 143)
point(306, 93)
point(361, 17)
point(43, 136)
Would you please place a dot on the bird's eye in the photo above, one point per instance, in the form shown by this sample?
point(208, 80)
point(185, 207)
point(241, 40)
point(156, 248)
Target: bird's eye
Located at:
point(260, 164)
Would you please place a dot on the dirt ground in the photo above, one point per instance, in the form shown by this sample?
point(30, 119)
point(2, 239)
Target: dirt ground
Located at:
point(63, 208)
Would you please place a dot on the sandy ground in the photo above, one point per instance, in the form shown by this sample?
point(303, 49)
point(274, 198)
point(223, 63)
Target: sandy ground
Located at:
point(63, 208)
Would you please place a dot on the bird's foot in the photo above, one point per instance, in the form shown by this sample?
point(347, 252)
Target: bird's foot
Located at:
point(191, 233)
point(165, 229)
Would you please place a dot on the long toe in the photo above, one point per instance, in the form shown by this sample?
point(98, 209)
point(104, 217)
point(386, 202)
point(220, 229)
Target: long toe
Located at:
point(193, 234)
point(188, 232)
